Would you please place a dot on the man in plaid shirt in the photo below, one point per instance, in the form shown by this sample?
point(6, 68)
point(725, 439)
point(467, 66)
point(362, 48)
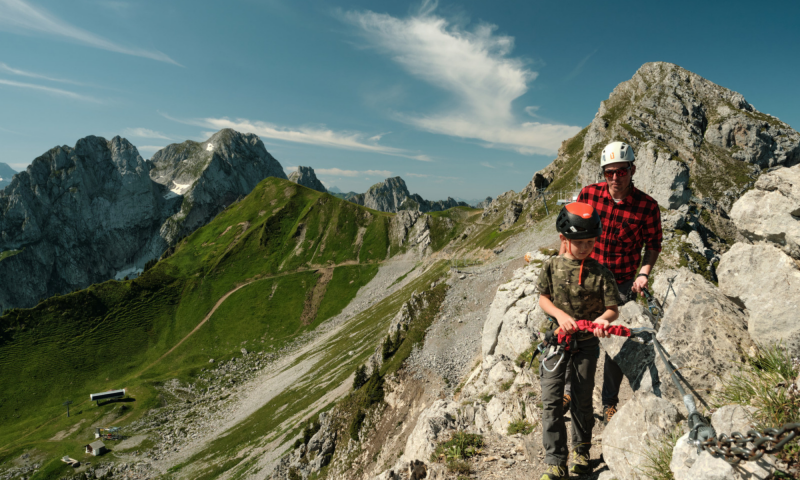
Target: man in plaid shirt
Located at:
point(631, 221)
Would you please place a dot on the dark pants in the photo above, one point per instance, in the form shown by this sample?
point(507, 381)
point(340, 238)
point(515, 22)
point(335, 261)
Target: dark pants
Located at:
point(581, 366)
point(612, 374)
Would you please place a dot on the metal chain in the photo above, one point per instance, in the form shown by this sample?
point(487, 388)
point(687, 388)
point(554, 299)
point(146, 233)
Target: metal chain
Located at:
point(734, 449)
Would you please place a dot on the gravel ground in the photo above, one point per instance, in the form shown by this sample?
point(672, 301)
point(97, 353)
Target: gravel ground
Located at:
point(453, 342)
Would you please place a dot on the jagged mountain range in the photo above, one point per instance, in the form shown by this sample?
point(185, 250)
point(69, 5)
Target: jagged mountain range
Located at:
point(85, 214)
point(463, 332)
point(392, 195)
point(6, 172)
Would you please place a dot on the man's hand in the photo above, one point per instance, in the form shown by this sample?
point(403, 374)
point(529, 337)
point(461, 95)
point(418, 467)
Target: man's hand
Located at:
point(638, 284)
point(601, 332)
point(567, 324)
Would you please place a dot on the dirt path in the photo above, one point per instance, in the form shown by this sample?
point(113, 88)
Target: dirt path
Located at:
point(275, 379)
point(216, 306)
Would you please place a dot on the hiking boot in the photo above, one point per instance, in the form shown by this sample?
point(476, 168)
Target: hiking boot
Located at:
point(608, 412)
point(555, 472)
point(580, 464)
point(566, 400)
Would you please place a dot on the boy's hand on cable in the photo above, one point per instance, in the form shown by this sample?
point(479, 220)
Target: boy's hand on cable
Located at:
point(567, 324)
point(601, 332)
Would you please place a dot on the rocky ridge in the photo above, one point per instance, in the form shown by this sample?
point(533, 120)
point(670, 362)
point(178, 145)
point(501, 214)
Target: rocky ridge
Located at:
point(98, 211)
point(6, 172)
point(306, 177)
point(209, 176)
point(392, 195)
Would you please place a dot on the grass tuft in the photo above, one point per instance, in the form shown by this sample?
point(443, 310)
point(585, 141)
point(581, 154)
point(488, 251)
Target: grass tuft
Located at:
point(658, 455)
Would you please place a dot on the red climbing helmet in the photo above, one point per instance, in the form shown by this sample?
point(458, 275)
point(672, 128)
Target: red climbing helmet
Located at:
point(578, 221)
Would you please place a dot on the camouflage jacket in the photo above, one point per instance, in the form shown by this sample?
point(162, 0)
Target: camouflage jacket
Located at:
point(587, 301)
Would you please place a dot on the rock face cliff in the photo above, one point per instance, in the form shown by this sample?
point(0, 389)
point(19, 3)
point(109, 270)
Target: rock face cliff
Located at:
point(392, 195)
point(210, 176)
point(76, 216)
point(5, 175)
point(98, 211)
point(306, 177)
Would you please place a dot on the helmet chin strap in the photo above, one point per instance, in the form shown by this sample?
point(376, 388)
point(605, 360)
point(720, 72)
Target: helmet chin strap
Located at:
point(580, 273)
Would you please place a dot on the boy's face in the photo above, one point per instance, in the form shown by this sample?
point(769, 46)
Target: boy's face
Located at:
point(580, 249)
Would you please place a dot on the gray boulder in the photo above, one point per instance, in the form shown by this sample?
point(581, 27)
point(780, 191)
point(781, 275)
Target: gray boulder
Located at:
point(770, 212)
point(767, 282)
point(661, 177)
point(514, 315)
point(644, 418)
point(687, 464)
point(434, 425)
point(703, 332)
point(306, 177)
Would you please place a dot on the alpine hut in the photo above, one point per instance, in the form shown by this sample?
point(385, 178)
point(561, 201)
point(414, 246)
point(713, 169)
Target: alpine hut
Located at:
point(96, 448)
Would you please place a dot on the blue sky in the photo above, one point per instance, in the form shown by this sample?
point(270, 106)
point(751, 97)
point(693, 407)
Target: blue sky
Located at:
point(464, 99)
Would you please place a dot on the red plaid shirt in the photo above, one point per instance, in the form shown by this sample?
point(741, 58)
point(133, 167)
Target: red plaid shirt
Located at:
point(629, 225)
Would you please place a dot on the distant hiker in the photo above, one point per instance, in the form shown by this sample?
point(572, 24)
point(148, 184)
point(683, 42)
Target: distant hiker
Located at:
point(631, 220)
point(573, 287)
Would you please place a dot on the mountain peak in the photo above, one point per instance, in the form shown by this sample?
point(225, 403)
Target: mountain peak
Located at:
point(306, 177)
point(691, 136)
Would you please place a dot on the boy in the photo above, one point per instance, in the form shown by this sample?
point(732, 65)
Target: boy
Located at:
point(574, 287)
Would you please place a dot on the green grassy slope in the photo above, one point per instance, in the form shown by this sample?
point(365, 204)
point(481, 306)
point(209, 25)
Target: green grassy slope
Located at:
point(276, 242)
point(101, 337)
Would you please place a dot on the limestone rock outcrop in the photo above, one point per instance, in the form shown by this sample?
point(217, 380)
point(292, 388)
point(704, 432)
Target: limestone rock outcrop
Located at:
point(645, 417)
point(514, 315)
point(306, 177)
point(770, 212)
point(767, 281)
point(703, 332)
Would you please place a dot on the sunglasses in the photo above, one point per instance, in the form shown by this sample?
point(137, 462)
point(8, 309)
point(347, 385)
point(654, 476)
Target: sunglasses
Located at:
point(619, 172)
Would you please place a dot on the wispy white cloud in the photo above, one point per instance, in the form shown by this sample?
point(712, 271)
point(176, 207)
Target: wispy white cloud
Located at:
point(149, 149)
point(531, 110)
point(307, 135)
point(50, 90)
point(338, 172)
point(475, 66)
point(487, 165)
point(19, 16)
point(577, 70)
point(144, 133)
point(23, 73)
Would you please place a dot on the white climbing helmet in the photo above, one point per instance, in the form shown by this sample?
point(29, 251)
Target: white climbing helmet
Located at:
point(616, 152)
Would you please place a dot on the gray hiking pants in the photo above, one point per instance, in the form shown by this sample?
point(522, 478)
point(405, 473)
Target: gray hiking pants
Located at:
point(582, 366)
point(612, 374)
